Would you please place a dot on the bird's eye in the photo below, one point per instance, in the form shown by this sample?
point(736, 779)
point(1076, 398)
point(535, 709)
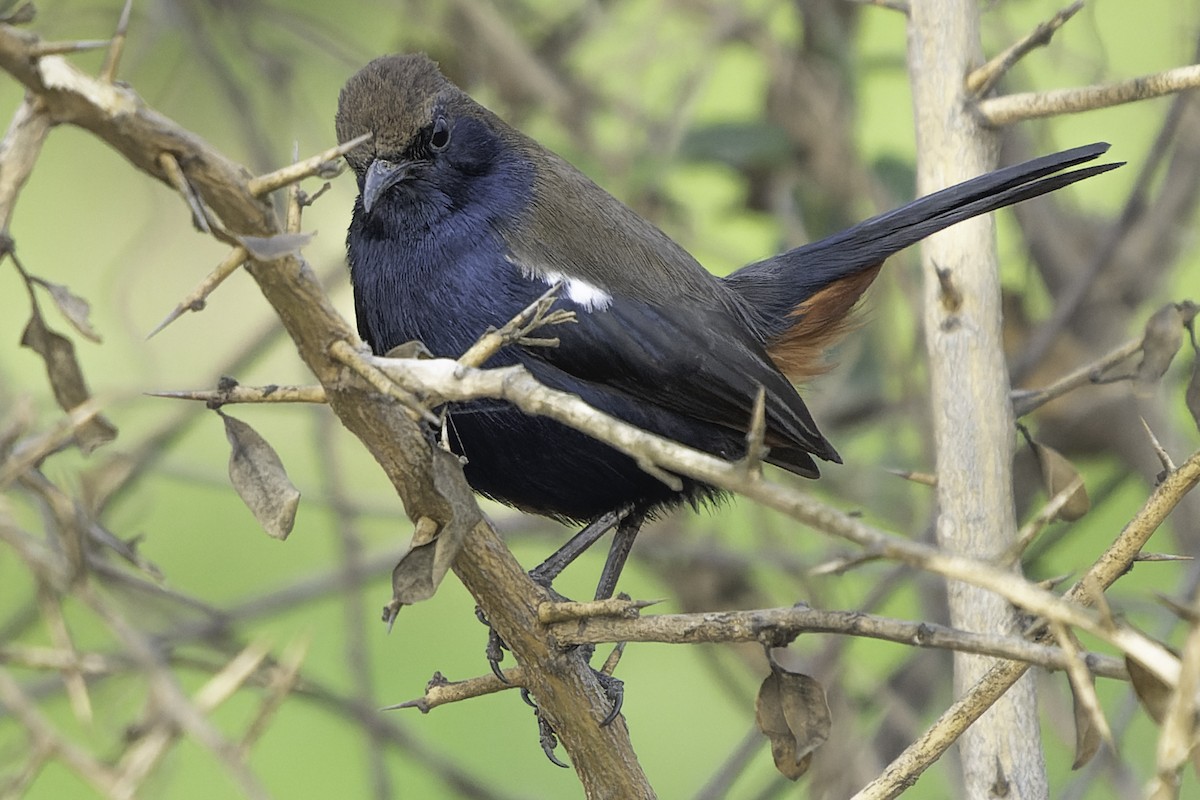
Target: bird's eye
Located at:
point(441, 134)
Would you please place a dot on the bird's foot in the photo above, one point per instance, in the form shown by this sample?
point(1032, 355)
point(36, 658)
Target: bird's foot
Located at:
point(494, 652)
point(614, 690)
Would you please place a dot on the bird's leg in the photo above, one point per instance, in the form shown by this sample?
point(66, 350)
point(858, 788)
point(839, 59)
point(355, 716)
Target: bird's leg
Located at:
point(618, 554)
point(545, 573)
point(627, 530)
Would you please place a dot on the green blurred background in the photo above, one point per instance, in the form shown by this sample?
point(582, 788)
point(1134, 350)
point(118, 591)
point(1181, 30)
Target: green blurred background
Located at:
point(666, 105)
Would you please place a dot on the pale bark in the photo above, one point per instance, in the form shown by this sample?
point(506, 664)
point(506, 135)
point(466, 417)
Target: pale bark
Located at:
point(972, 418)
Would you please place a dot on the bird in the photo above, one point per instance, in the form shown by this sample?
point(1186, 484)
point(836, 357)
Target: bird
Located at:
point(462, 221)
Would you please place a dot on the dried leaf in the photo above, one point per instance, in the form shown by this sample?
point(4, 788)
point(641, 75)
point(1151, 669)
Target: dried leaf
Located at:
point(21, 15)
point(792, 712)
point(1162, 340)
point(409, 349)
point(273, 248)
point(1057, 474)
point(1152, 693)
point(260, 479)
point(1088, 735)
point(66, 379)
point(436, 541)
point(73, 307)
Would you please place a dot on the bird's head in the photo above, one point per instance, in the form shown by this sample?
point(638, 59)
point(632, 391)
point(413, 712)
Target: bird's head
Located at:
point(429, 139)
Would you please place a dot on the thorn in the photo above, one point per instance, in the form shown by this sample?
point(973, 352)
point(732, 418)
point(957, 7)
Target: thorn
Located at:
point(65, 48)
point(1164, 457)
point(108, 72)
point(419, 703)
point(923, 478)
point(981, 80)
point(756, 450)
point(179, 182)
point(195, 300)
point(390, 612)
point(950, 295)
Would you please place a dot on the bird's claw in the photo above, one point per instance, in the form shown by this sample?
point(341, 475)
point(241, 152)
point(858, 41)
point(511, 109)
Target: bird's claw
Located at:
point(494, 652)
point(614, 690)
point(548, 739)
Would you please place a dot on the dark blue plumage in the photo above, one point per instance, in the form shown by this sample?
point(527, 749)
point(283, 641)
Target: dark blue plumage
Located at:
point(462, 222)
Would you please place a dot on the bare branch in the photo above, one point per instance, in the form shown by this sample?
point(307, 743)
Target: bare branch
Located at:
point(249, 394)
point(776, 626)
point(1113, 563)
point(1008, 109)
point(324, 164)
point(981, 80)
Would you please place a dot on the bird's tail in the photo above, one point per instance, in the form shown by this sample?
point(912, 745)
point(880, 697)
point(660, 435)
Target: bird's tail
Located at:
point(804, 296)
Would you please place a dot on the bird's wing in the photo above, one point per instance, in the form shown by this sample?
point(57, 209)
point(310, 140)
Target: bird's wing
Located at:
point(652, 322)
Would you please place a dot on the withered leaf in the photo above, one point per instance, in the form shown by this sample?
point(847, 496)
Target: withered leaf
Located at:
point(792, 712)
point(1152, 693)
point(1057, 474)
point(1087, 734)
point(273, 248)
point(73, 308)
point(409, 349)
point(66, 379)
point(20, 15)
point(437, 540)
point(260, 479)
point(1162, 339)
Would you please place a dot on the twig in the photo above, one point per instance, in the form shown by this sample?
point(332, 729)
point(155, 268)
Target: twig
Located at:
point(141, 756)
point(923, 478)
point(347, 354)
point(1081, 683)
point(1164, 457)
point(43, 735)
point(779, 625)
point(440, 692)
point(19, 152)
point(756, 433)
point(170, 165)
point(566, 611)
point(452, 381)
point(1113, 563)
point(32, 451)
point(108, 72)
point(284, 678)
point(536, 315)
point(1046, 514)
point(894, 5)
point(981, 81)
point(69, 47)
point(292, 173)
point(197, 298)
point(1008, 109)
point(1177, 740)
point(249, 394)
point(1026, 400)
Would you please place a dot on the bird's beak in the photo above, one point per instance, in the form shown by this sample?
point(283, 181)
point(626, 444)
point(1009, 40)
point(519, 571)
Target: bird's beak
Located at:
point(381, 176)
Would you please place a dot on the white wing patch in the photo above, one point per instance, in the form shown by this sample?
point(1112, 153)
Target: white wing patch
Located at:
point(585, 295)
point(580, 292)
